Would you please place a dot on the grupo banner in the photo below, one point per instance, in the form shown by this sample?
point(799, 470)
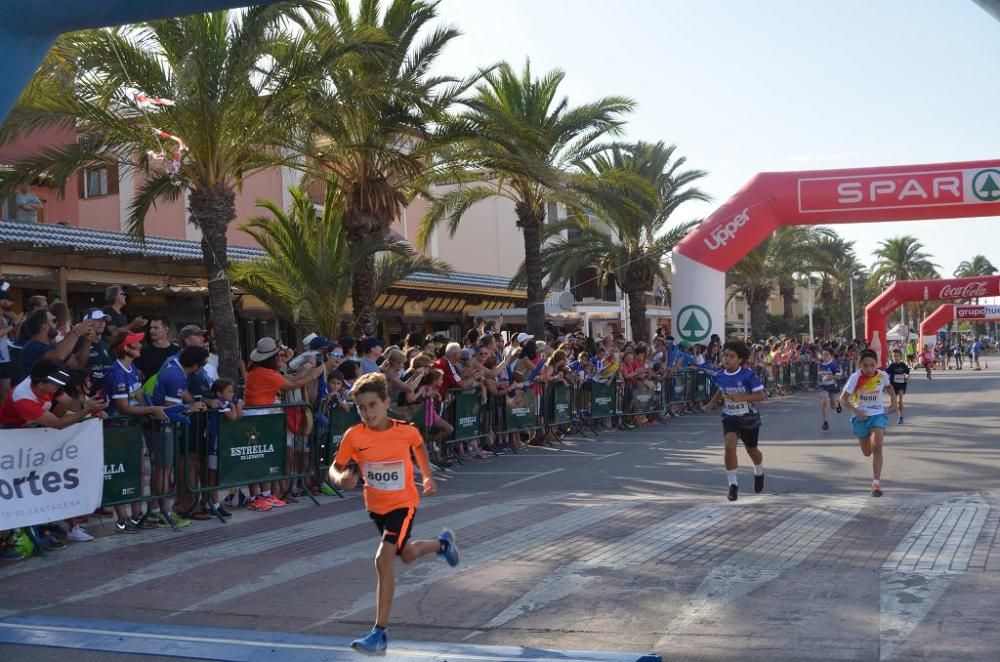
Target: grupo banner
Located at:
point(48, 475)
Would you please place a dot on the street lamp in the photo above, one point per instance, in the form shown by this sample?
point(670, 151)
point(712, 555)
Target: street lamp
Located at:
point(854, 319)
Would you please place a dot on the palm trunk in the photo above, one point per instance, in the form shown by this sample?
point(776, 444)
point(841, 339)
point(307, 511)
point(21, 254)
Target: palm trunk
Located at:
point(211, 209)
point(363, 297)
point(637, 314)
point(787, 290)
point(758, 317)
point(531, 226)
point(826, 296)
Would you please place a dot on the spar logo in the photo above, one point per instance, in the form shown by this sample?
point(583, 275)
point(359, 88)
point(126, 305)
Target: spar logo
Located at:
point(726, 232)
point(969, 291)
point(694, 323)
point(986, 185)
point(885, 191)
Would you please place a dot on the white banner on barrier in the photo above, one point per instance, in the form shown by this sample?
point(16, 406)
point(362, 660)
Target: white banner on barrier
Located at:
point(49, 475)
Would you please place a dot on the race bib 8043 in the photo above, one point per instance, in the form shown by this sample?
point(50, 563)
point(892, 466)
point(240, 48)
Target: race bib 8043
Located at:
point(385, 475)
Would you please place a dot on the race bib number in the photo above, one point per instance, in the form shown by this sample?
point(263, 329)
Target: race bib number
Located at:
point(899, 379)
point(870, 399)
point(385, 475)
point(736, 408)
point(826, 377)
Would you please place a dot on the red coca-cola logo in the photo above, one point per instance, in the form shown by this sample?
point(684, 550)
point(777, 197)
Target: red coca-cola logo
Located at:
point(969, 291)
point(888, 306)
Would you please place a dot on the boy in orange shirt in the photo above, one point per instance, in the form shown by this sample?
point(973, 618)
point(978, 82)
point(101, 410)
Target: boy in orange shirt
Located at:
point(381, 447)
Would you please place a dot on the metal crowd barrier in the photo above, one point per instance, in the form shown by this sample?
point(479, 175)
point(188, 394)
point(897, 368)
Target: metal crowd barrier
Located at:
point(258, 447)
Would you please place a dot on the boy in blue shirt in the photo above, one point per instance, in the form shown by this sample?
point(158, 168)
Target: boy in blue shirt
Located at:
point(829, 391)
point(738, 391)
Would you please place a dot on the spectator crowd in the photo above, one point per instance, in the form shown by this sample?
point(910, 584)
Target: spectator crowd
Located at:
point(55, 371)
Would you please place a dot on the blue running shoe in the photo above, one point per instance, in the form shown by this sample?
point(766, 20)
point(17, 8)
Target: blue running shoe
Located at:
point(373, 643)
point(450, 550)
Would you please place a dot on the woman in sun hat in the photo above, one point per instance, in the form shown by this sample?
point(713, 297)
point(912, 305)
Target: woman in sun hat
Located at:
point(264, 385)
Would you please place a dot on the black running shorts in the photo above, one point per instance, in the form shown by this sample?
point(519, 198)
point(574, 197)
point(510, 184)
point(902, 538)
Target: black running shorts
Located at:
point(745, 430)
point(395, 526)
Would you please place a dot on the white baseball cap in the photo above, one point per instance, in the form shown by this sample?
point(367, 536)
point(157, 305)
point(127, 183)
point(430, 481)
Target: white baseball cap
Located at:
point(521, 337)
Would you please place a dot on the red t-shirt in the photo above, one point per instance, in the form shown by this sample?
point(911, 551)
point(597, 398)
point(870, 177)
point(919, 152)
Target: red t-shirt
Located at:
point(452, 376)
point(22, 405)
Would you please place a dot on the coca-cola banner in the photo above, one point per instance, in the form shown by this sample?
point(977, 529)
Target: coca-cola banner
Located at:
point(905, 291)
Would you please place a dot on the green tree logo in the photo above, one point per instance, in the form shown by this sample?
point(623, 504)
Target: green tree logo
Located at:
point(986, 185)
point(694, 324)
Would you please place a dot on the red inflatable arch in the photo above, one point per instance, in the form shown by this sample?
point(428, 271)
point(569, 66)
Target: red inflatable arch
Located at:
point(772, 200)
point(904, 291)
point(949, 312)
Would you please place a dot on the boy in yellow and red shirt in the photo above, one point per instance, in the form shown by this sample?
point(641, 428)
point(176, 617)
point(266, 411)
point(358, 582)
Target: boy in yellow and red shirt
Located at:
point(382, 448)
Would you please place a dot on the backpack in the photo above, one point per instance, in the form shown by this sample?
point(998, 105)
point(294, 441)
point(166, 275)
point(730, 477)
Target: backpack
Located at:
point(20, 541)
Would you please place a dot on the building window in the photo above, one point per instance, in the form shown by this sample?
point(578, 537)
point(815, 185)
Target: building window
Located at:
point(97, 182)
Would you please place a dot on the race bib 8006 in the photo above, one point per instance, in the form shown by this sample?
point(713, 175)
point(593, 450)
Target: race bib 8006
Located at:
point(385, 475)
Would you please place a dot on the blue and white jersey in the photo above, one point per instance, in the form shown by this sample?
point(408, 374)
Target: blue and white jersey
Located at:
point(731, 383)
point(122, 383)
point(828, 373)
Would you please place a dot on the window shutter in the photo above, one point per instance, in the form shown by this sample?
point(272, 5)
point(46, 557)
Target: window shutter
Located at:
point(113, 179)
point(81, 183)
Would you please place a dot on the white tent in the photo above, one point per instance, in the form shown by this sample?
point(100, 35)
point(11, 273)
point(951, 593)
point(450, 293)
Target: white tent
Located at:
point(898, 332)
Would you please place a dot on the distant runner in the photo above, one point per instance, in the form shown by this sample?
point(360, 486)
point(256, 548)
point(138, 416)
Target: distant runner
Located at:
point(829, 374)
point(739, 389)
point(863, 397)
point(382, 447)
point(899, 374)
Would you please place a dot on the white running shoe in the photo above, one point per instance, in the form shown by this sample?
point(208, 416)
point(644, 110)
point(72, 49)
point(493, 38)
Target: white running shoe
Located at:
point(78, 534)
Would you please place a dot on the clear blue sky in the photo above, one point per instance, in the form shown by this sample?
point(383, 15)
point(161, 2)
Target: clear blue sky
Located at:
point(744, 86)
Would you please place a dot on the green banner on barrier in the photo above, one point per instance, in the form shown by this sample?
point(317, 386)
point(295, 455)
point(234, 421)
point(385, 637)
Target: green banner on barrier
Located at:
point(122, 463)
point(521, 410)
point(602, 400)
point(562, 399)
point(340, 422)
point(466, 406)
point(252, 449)
point(642, 399)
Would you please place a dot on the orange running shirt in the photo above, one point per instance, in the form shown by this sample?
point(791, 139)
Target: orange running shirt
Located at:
point(386, 465)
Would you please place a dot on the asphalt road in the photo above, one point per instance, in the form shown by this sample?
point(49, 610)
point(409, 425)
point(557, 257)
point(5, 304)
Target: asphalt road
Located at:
point(620, 543)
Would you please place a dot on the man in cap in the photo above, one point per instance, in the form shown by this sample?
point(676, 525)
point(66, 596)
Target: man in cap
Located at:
point(370, 349)
point(114, 298)
point(100, 359)
point(29, 404)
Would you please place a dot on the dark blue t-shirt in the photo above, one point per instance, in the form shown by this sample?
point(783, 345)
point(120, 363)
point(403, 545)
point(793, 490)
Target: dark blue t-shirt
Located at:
point(828, 372)
point(731, 383)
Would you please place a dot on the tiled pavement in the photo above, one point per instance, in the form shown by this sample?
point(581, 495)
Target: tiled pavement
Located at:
point(616, 573)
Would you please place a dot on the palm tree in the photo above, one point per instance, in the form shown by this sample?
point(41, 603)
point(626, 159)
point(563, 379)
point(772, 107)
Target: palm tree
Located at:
point(834, 259)
point(634, 243)
point(977, 266)
point(517, 129)
point(900, 258)
point(787, 253)
point(373, 122)
point(309, 264)
point(235, 78)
